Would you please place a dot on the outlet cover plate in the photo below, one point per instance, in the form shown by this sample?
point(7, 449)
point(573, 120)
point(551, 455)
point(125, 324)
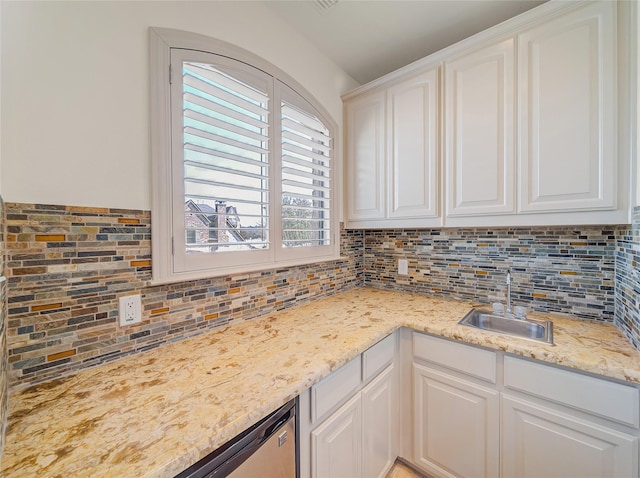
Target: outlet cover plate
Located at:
point(130, 310)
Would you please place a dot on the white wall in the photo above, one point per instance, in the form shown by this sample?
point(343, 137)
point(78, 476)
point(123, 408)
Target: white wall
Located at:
point(75, 90)
point(0, 105)
point(637, 149)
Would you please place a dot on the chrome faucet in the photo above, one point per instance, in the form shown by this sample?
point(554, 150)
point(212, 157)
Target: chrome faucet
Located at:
point(518, 312)
point(509, 292)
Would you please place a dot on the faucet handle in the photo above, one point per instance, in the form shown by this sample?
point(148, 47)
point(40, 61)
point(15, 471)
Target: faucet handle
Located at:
point(498, 308)
point(520, 312)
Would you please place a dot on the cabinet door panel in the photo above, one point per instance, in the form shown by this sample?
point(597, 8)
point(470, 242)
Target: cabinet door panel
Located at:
point(379, 418)
point(456, 425)
point(567, 112)
point(413, 146)
point(365, 157)
point(537, 442)
point(336, 445)
point(479, 95)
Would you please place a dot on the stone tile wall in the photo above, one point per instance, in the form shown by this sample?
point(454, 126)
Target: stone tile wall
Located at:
point(67, 266)
point(560, 269)
point(4, 392)
point(627, 291)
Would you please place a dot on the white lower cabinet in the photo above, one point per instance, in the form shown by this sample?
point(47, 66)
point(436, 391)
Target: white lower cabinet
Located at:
point(538, 441)
point(349, 420)
point(379, 420)
point(457, 410)
point(456, 425)
point(479, 413)
point(336, 445)
point(558, 423)
point(358, 439)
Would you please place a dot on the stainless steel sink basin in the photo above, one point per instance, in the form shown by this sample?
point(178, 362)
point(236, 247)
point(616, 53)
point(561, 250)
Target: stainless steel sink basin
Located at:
point(527, 329)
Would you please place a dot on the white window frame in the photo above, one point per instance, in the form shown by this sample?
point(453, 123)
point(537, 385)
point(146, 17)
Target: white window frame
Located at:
point(164, 269)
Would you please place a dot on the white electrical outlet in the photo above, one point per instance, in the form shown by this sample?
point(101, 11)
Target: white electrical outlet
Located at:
point(130, 309)
point(403, 267)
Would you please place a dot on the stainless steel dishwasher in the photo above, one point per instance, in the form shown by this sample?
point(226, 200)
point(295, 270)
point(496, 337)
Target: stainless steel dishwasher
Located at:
point(266, 450)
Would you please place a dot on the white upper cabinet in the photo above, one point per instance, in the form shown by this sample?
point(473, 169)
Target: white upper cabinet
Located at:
point(392, 154)
point(365, 149)
point(479, 133)
point(531, 126)
point(412, 130)
point(567, 104)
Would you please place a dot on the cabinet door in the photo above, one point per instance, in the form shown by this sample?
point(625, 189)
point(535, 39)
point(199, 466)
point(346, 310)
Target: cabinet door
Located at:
point(365, 157)
point(456, 428)
point(566, 70)
point(537, 441)
point(479, 132)
point(336, 445)
point(412, 131)
point(379, 419)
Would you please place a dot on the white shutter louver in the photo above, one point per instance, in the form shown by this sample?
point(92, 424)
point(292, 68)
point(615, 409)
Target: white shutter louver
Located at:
point(226, 153)
point(305, 168)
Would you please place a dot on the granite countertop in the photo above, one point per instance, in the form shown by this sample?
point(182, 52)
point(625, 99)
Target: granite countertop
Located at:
point(155, 413)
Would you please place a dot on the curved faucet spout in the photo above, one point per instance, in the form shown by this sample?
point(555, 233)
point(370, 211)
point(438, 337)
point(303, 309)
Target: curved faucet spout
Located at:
point(509, 291)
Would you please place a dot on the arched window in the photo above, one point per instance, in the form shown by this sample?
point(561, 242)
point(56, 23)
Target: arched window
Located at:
point(242, 162)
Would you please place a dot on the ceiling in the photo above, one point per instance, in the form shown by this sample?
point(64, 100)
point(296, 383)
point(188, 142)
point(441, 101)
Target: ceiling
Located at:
point(369, 38)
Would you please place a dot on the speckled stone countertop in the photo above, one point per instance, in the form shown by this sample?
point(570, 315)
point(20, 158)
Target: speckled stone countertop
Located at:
point(156, 413)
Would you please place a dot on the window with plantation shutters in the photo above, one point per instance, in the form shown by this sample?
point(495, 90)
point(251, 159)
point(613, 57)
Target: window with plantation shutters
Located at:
point(246, 182)
point(306, 175)
point(226, 159)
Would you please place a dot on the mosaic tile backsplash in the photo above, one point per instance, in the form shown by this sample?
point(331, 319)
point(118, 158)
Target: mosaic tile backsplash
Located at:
point(628, 281)
point(4, 392)
point(67, 267)
point(559, 269)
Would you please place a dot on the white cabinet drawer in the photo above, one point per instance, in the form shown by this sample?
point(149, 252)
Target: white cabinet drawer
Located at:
point(335, 389)
point(463, 358)
point(610, 400)
point(377, 357)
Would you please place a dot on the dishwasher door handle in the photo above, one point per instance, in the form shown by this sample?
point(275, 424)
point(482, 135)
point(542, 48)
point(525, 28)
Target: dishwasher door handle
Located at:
point(275, 458)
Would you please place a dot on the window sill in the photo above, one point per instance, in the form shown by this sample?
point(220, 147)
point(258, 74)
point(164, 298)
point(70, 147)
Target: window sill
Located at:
point(211, 274)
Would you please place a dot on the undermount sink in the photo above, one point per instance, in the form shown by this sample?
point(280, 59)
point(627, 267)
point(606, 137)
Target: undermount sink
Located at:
point(541, 331)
